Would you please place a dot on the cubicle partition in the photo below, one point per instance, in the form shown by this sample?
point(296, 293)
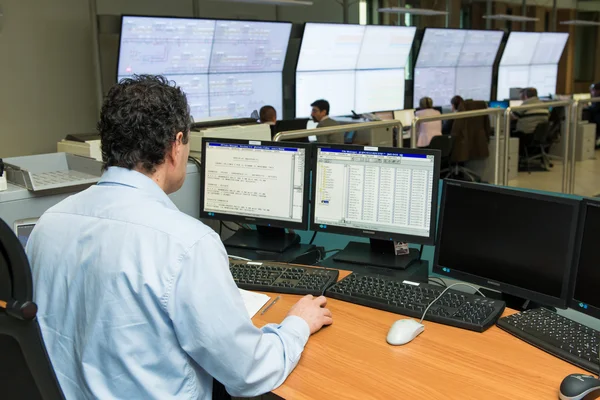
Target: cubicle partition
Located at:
point(566, 135)
point(576, 109)
point(467, 114)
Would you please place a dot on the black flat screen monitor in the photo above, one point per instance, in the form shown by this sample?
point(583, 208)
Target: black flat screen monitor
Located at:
point(586, 296)
point(516, 242)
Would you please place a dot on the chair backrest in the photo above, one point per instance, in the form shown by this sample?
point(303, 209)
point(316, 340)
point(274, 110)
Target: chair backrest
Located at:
point(443, 143)
point(471, 135)
point(25, 369)
point(540, 134)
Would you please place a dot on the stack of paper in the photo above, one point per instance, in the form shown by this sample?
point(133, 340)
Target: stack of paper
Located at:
point(253, 301)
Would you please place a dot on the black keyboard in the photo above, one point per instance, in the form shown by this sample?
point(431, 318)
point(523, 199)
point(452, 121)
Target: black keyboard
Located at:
point(454, 308)
point(282, 279)
point(557, 335)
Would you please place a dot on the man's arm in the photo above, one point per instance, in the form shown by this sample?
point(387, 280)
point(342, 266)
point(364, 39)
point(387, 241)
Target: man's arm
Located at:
point(213, 327)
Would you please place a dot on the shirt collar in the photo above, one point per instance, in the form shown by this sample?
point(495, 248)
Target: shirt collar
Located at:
point(324, 118)
point(137, 180)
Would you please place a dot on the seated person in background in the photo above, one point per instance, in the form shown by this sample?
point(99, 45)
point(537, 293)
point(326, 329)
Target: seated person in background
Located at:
point(528, 120)
point(135, 298)
point(268, 115)
point(427, 130)
point(593, 111)
point(447, 125)
point(320, 115)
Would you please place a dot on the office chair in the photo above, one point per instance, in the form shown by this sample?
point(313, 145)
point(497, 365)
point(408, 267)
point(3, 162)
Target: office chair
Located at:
point(471, 140)
point(443, 143)
point(25, 369)
point(543, 137)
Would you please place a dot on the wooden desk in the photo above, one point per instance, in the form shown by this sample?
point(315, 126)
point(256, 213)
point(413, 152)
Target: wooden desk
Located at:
point(351, 360)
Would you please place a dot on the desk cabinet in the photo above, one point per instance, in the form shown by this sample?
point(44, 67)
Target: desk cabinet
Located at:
point(585, 143)
point(485, 168)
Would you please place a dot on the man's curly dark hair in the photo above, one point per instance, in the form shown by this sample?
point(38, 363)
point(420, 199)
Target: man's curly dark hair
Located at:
point(140, 119)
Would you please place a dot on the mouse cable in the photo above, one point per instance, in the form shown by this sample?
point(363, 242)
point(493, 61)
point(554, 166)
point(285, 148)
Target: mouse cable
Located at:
point(444, 292)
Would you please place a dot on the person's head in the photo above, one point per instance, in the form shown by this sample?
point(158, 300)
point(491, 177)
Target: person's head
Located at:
point(528, 93)
point(320, 109)
point(595, 90)
point(268, 115)
point(144, 126)
point(456, 102)
point(425, 102)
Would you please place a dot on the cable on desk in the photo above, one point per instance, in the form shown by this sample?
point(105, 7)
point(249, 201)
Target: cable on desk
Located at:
point(333, 251)
point(443, 293)
point(439, 281)
point(313, 238)
point(420, 252)
point(239, 258)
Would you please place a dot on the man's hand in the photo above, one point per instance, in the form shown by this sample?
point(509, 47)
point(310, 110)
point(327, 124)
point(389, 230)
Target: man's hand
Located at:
point(312, 310)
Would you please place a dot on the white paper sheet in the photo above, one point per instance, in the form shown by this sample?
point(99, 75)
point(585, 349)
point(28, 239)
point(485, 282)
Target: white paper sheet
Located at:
point(253, 301)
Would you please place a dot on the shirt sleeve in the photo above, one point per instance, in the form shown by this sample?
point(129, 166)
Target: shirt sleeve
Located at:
point(215, 330)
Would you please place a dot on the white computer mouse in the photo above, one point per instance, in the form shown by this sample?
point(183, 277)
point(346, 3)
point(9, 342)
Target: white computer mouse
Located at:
point(404, 331)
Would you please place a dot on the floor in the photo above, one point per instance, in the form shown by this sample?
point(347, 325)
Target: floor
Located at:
point(587, 178)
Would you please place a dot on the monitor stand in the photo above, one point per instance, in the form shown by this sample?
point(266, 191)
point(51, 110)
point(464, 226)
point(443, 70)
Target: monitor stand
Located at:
point(514, 302)
point(377, 253)
point(265, 238)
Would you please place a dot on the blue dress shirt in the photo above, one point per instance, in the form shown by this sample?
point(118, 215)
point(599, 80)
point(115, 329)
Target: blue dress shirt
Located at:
point(136, 301)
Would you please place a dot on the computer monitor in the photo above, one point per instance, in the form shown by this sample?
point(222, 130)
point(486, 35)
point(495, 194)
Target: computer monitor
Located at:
point(586, 296)
point(582, 96)
point(161, 45)
point(379, 90)
point(498, 104)
point(261, 183)
point(226, 68)
point(249, 46)
point(480, 49)
point(337, 87)
point(520, 48)
point(543, 78)
point(511, 79)
point(238, 95)
point(23, 229)
point(549, 48)
point(288, 125)
point(385, 47)
point(388, 195)
point(405, 117)
point(441, 47)
point(474, 83)
point(330, 47)
point(384, 115)
point(518, 243)
point(435, 82)
point(515, 103)
point(195, 87)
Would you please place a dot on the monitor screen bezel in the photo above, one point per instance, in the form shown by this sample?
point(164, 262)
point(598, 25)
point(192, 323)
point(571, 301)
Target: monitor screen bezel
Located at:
point(255, 220)
point(430, 240)
point(542, 298)
point(573, 303)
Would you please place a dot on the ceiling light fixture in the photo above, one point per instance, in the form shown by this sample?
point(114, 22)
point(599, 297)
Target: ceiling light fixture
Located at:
point(511, 18)
point(580, 22)
point(273, 2)
point(412, 11)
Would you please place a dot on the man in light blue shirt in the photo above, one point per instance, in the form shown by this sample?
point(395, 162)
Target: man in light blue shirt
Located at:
point(135, 298)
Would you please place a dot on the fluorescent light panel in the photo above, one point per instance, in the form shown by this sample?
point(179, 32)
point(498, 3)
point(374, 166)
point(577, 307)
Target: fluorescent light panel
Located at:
point(580, 22)
point(273, 2)
point(412, 11)
point(512, 18)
